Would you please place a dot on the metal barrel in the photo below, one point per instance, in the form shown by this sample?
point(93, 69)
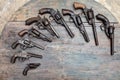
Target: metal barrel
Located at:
point(54, 32)
point(95, 34)
point(67, 29)
point(35, 55)
point(84, 34)
point(37, 45)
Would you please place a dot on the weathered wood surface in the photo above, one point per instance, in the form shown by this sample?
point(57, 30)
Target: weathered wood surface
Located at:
point(64, 58)
point(31, 9)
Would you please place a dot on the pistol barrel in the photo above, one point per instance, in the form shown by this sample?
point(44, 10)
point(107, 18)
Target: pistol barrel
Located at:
point(35, 55)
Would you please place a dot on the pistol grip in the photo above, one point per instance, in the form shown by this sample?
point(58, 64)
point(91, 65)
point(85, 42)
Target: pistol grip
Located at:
point(45, 10)
point(23, 32)
point(25, 71)
point(103, 19)
point(30, 66)
point(14, 45)
point(13, 59)
point(31, 20)
point(67, 12)
point(77, 5)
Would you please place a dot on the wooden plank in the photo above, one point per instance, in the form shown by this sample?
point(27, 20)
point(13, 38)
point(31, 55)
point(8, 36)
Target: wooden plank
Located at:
point(64, 58)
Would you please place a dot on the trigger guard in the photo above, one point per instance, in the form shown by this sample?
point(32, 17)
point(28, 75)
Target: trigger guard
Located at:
point(20, 59)
point(102, 27)
point(50, 18)
point(23, 47)
point(23, 59)
point(30, 35)
point(70, 20)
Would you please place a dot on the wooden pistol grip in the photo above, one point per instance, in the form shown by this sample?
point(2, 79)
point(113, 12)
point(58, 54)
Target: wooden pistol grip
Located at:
point(67, 12)
point(31, 20)
point(45, 10)
point(77, 5)
point(104, 19)
point(23, 32)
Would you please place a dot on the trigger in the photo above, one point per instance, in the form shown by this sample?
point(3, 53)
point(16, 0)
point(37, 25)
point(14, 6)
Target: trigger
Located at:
point(41, 28)
point(82, 14)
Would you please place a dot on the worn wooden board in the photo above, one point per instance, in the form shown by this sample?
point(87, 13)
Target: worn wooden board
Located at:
point(31, 9)
point(64, 58)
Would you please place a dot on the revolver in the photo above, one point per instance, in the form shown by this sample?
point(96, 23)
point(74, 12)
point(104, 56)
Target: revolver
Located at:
point(30, 66)
point(56, 15)
point(23, 56)
point(26, 43)
point(77, 21)
point(43, 24)
point(34, 33)
point(108, 29)
point(89, 14)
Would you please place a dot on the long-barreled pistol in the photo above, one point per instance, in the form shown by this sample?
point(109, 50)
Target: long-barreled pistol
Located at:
point(23, 56)
point(89, 14)
point(26, 43)
point(108, 29)
point(56, 15)
point(77, 21)
point(30, 66)
point(34, 33)
point(43, 24)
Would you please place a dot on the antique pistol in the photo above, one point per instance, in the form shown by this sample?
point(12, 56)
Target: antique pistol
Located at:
point(43, 24)
point(23, 56)
point(77, 21)
point(89, 14)
point(30, 66)
point(56, 15)
point(108, 29)
point(26, 43)
point(34, 33)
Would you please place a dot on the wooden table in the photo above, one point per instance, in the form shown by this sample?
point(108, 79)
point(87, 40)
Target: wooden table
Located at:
point(64, 58)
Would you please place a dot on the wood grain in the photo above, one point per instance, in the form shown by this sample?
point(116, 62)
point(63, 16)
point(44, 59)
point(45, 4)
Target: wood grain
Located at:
point(64, 58)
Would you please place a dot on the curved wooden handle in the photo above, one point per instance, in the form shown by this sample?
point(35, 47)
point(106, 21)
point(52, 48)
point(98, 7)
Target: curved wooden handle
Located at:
point(67, 12)
point(78, 5)
point(23, 32)
point(45, 10)
point(31, 20)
